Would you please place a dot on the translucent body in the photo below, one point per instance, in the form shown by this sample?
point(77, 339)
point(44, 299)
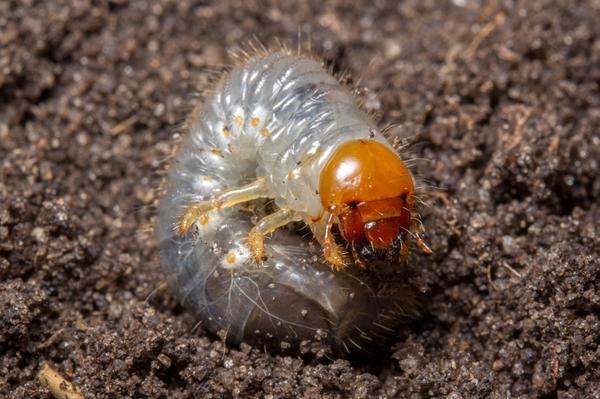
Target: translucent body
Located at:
point(280, 116)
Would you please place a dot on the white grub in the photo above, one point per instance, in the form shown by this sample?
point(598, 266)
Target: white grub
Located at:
point(273, 111)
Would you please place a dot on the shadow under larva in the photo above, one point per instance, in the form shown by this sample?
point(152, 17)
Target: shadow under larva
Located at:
point(268, 130)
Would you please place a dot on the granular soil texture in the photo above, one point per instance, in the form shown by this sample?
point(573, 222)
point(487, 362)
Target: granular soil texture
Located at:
point(502, 97)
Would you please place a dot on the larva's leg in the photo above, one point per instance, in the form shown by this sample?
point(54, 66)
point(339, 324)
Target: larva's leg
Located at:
point(358, 260)
point(422, 245)
point(415, 226)
point(225, 199)
point(403, 250)
point(331, 250)
point(267, 225)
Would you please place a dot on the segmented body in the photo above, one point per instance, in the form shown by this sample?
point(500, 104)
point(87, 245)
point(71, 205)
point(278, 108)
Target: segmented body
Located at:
point(280, 116)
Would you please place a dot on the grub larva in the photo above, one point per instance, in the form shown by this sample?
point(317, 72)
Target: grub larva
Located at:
point(279, 140)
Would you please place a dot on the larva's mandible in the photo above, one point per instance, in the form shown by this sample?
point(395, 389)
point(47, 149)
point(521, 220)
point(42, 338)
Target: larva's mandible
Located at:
point(279, 127)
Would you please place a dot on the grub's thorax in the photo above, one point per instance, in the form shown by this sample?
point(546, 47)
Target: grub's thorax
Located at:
point(368, 188)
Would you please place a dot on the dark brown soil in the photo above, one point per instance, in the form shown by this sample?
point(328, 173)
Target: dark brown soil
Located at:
point(503, 99)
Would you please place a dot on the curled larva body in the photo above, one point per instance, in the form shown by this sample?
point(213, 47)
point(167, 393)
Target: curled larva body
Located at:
point(279, 116)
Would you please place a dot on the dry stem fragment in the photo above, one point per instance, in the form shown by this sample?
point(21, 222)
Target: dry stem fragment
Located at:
point(58, 385)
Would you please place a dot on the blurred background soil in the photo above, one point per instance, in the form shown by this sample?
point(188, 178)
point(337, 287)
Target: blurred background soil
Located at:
point(502, 97)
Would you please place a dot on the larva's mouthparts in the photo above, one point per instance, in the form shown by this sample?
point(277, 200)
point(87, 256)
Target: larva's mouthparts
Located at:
point(280, 133)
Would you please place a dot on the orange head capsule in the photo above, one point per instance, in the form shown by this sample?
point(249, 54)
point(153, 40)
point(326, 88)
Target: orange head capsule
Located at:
point(370, 190)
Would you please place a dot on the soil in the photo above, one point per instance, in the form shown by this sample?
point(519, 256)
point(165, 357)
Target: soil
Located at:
point(502, 99)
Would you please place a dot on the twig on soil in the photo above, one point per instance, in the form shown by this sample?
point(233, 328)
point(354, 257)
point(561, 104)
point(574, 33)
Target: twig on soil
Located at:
point(487, 29)
point(160, 287)
point(489, 277)
point(506, 266)
point(510, 268)
point(517, 135)
point(124, 125)
point(489, 9)
point(58, 385)
point(53, 338)
point(195, 327)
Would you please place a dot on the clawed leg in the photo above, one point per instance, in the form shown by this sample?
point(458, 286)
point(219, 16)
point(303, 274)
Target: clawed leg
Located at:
point(331, 250)
point(422, 245)
point(267, 225)
point(225, 199)
point(403, 249)
point(359, 262)
point(416, 227)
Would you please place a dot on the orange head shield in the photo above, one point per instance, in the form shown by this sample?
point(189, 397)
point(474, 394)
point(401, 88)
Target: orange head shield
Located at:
point(370, 190)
